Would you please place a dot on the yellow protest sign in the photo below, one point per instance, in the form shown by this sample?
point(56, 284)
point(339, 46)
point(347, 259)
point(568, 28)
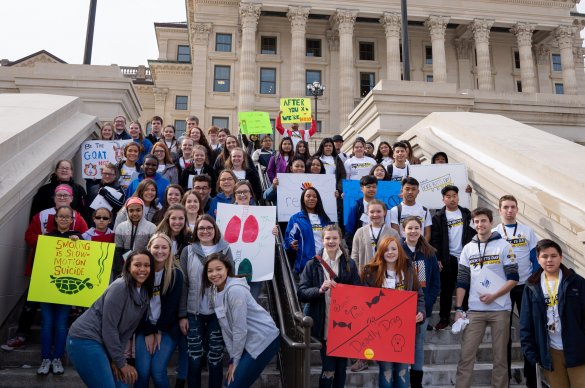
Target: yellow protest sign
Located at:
point(252, 123)
point(295, 110)
point(70, 272)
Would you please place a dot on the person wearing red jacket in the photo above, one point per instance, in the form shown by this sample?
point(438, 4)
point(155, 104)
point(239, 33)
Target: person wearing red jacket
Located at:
point(294, 132)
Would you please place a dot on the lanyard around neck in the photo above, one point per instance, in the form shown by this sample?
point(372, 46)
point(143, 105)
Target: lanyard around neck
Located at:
point(552, 297)
point(513, 234)
point(482, 255)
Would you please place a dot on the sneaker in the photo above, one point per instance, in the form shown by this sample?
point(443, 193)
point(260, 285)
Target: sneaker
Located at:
point(442, 325)
point(45, 367)
point(359, 366)
point(14, 343)
point(430, 327)
point(57, 367)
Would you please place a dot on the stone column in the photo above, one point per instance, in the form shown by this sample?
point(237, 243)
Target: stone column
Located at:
point(523, 32)
point(544, 68)
point(332, 92)
point(345, 21)
point(249, 14)
point(298, 22)
point(437, 26)
point(199, 44)
point(391, 23)
point(481, 34)
point(463, 49)
point(565, 36)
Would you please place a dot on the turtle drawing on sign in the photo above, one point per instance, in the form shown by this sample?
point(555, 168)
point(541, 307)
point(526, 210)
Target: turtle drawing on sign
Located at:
point(68, 285)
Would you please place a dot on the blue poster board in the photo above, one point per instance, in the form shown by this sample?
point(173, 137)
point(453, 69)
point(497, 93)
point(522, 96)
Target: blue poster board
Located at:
point(388, 192)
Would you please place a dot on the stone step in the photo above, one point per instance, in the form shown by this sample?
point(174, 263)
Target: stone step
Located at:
point(434, 376)
point(27, 377)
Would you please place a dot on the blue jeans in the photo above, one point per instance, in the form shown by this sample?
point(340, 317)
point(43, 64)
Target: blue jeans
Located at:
point(154, 365)
point(393, 375)
point(183, 358)
point(54, 327)
point(204, 337)
point(255, 289)
point(333, 369)
point(249, 369)
point(92, 364)
point(419, 345)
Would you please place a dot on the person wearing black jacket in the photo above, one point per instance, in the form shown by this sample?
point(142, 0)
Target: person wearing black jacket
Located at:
point(314, 289)
point(450, 232)
point(107, 188)
point(552, 328)
point(158, 332)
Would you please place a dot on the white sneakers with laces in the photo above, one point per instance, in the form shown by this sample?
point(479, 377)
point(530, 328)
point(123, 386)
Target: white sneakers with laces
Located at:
point(57, 367)
point(45, 367)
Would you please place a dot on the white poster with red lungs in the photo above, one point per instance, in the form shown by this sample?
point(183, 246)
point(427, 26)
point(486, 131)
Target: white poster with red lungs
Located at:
point(97, 153)
point(248, 230)
point(433, 177)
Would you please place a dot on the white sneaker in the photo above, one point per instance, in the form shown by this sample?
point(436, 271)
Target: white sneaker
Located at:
point(45, 367)
point(57, 367)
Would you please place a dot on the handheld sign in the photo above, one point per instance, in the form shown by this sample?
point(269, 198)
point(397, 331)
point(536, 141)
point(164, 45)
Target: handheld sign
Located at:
point(295, 110)
point(97, 153)
point(387, 192)
point(433, 177)
point(254, 123)
point(248, 230)
point(291, 186)
point(70, 272)
point(372, 323)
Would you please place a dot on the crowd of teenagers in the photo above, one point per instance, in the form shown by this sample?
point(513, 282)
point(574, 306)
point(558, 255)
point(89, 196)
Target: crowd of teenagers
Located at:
point(173, 284)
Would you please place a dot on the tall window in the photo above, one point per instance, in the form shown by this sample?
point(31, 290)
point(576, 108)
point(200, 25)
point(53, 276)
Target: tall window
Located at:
point(181, 102)
point(180, 127)
point(428, 55)
point(312, 76)
point(183, 54)
point(268, 45)
point(313, 48)
point(519, 86)
point(308, 126)
point(367, 51)
point(516, 59)
point(559, 88)
point(429, 78)
point(220, 122)
point(556, 63)
point(267, 80)
point(367, 83)
point(221, 78)
point(223, 42)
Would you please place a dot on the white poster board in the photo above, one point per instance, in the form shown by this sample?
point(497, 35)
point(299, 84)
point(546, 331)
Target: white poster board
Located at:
point(97, 153)
point(248, 230)
point(290, 188)
point(433, 177)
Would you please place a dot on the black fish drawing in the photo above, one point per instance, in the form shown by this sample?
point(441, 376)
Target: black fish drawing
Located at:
point(375, 300)
point(342, 324)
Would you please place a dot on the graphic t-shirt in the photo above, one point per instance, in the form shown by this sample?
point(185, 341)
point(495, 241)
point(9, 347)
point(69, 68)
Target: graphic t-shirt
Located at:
point(317, 231)
point(455, 225)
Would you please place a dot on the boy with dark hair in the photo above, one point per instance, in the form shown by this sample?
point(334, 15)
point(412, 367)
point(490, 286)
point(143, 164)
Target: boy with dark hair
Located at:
point(156, 126)
point(202, 186)
point(409, 207)
point(358, 213)
point(262, 155)
point(487, 271)
point(399, 169)
point(551, 322)
point(450, 232)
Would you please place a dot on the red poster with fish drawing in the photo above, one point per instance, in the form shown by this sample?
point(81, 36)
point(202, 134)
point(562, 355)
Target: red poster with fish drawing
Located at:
point(372, 324)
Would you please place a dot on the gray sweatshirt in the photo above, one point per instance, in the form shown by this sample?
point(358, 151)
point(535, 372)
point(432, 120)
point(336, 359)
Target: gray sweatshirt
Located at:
point(112, 319)
point(192, 262)
point(244, 323)
point(123, 232)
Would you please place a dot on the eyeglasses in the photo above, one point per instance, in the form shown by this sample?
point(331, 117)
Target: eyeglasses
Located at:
point(62, 196)
point(102, 218)
point(243, 192)
point(61, 217)
point(205, 228)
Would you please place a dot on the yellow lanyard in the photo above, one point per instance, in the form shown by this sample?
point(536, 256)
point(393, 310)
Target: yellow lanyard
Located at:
point(552, 297)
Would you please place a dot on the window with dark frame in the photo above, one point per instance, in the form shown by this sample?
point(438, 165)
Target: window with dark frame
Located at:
point(367, 83)
point(268, 45)
point(223, 42)
point(183, 54)
point(367, 51)
point(559, 88)
point(556, 63)
point(180, 128)
point(313, 48)
point(310, 77)
point(221, 78)
point(519, 86)
point(220, 122)
point(267, 80)
point(516, 59)
point(181, 102)
point(428, 55)
point(318, 123)
point(429, 78)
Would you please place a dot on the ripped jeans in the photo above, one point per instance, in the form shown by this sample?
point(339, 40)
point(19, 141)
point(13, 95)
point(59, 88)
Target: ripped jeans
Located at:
point(204, 338)
point(393, 375)
point(333, 369)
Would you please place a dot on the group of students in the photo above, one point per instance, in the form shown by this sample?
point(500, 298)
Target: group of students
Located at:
point(173, 273)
